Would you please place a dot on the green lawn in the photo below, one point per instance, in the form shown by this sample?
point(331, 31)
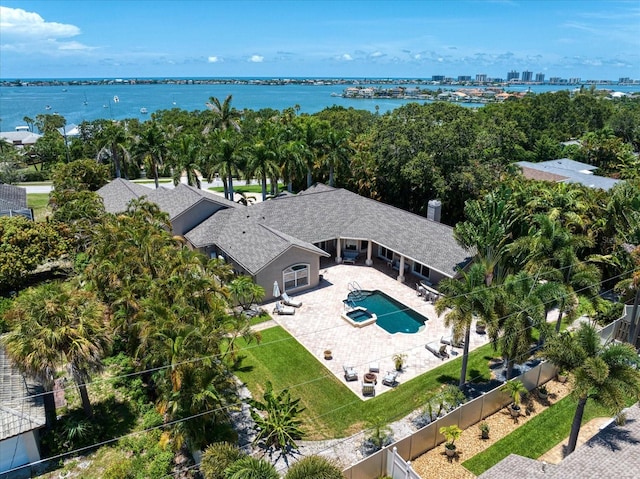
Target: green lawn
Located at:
point(332, 410)
point(39, 203)
point(536, 436)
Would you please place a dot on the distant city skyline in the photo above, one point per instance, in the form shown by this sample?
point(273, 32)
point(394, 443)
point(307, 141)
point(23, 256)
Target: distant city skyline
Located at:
point(590, 40)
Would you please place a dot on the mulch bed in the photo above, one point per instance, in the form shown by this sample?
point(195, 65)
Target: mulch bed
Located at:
point(435, 464)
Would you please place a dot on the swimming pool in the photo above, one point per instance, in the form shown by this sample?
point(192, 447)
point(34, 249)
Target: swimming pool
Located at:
point(392, 316)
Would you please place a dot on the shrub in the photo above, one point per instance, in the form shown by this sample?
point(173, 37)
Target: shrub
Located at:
point(123, 469)
point(314, 467)
point(217, 457)
point(251, 468)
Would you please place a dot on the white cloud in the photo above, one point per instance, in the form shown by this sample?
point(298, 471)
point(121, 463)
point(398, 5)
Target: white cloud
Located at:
point(256, 58)
point(214, 59)
point(17, 23)
point(377, 54)
point(347, 57)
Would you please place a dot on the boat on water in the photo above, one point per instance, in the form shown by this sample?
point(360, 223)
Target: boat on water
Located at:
point(48, 107)
point(116, 99)
point(144, 111)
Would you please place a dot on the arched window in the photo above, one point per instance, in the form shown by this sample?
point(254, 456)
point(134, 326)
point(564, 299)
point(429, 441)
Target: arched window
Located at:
point(295, 276)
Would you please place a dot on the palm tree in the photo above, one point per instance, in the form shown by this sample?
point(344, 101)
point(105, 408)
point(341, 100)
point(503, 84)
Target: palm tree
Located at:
point(551, 252)
point(151, 144)
point(465, 298)
point(606, 373)
point(338, 151)
point(185, 155)
point(487, 230)
point(521, 304)
point(114, 140)
point(55, 325)
point(225, 116)
point(292, 164)
point(225, 159)
point(263, 161)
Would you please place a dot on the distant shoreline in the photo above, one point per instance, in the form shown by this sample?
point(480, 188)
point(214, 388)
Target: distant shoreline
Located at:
point(30, 82)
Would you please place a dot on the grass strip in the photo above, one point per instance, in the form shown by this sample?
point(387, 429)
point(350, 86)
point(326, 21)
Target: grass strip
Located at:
point(536, 436)
point(332, 410)
point(39, 203)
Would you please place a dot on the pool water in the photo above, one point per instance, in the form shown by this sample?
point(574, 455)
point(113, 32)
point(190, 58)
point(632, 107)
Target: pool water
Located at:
point(393, 316)
point(359, 315)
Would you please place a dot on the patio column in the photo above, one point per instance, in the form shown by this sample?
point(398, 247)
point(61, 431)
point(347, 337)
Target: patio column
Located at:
point(339, 251)
point(401, 270)
point(369, 261)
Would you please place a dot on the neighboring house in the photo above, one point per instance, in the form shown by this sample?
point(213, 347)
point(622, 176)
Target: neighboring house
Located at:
point(21, 417)
point(13, 201)
point(282, 240)
point(566, 170)
point(613, 452)
point(20, 138)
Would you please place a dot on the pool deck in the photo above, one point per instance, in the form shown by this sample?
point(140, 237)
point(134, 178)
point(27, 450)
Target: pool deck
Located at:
point(318, 326)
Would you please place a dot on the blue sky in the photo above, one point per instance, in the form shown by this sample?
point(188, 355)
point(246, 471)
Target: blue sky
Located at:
point(416, 39)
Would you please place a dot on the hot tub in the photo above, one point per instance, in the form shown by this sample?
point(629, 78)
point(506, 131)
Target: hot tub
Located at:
point(359, 317)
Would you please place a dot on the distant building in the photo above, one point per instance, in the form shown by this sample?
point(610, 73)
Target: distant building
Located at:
point(557, 80)
point(539, 77)
point(527, 76)
point(481, 77)
point(464, 77)
point(513, 76)
point(575, 81)
point(625, 80)
point(565, 170)
point(438, 78)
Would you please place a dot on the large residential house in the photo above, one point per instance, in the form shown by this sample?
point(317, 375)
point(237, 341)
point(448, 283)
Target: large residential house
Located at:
point(283, 239)
point(567, 171)
point(22, 415)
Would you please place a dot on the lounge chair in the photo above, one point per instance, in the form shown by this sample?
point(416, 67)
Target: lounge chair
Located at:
point(282, 309)
point(390, 379)
point(438, 350)
point(368, 389)
point(286, 299)
point(451, 341)
point(350, 373)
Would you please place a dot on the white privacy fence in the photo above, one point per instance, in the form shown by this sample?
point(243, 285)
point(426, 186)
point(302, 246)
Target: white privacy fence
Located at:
point(428, 437)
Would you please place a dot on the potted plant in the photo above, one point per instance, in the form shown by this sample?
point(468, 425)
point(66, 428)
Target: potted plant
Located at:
point(484, 430)
point(451, 433)
point(481, 327)
point(327, 354)
point(398, 360)
point(562, 376)
point(515, 389)
point(543, 393)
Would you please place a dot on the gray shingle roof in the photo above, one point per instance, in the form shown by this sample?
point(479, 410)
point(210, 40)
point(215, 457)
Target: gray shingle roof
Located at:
point(118, 193)
point(323, 213)
point(12, 196)
point(18, 412)
point(613, 452)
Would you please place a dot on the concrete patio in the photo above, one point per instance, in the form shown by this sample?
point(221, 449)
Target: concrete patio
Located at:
point(318, 326)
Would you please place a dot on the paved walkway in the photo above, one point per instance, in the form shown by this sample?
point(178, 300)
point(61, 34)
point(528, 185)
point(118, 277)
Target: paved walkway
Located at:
point(587, 431)
point(318, 326)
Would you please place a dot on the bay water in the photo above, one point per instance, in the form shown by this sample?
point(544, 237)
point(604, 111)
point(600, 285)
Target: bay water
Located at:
point(77, 103)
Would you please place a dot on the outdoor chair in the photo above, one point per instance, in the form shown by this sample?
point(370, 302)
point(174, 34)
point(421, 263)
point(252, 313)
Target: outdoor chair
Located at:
point(450, 340)
point(438, 350)
point(390, 379)
point(368, 389)
point(286, 299)
point(282, 309)
point(350, 373)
